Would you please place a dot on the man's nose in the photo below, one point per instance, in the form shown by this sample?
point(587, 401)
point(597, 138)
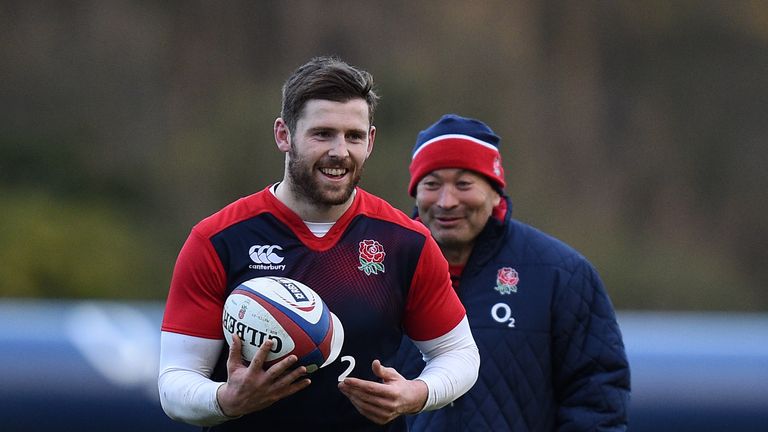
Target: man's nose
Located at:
point(339, 148)
point(447, 197)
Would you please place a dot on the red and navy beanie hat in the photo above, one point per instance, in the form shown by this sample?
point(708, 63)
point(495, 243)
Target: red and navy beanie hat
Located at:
point(457, 142)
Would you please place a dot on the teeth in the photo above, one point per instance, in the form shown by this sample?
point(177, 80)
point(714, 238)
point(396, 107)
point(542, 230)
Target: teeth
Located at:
point(333, 171)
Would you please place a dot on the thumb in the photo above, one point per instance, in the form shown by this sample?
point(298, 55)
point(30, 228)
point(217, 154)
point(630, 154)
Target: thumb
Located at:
point(385, 373)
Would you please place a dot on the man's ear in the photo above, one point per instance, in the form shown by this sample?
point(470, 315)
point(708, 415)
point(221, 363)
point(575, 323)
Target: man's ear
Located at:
point(282, 135)
point(371, 139)
point(496, 197)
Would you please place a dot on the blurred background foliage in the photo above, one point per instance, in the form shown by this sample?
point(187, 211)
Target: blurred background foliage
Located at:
point(635, 131)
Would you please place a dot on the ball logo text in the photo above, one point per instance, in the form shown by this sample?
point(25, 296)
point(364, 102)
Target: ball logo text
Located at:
point(249, 334)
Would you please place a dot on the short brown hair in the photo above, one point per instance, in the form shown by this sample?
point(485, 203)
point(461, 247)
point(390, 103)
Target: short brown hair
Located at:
point(326, 78)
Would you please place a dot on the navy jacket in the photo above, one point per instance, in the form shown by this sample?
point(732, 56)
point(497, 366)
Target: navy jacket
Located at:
point(551, 352)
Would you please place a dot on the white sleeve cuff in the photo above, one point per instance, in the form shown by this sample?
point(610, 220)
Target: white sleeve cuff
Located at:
point(187, 393)
point(452, 364)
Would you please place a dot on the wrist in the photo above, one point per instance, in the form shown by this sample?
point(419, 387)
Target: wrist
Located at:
point(225, 409)
point(422, 392)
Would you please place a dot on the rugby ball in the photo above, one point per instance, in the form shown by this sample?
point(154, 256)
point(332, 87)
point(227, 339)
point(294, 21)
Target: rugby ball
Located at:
point(287, 312)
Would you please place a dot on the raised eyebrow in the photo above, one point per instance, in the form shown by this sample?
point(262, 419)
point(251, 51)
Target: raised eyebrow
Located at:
point(468, 176)
point(358, 132)
point(320, 129)
point(459, 175)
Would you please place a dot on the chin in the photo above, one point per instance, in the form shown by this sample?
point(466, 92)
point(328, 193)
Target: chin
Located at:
point(449, 240)
point(336, 197)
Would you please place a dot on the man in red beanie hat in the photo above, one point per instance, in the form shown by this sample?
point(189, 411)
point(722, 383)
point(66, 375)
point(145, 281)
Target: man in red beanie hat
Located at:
point(552, 355)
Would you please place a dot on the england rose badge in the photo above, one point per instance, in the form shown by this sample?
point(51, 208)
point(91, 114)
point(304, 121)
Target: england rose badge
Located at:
point(507, 280)
point(371, 257)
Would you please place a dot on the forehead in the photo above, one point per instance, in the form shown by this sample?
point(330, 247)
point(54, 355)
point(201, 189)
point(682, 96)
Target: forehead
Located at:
point(352, 114)
point(455, 174)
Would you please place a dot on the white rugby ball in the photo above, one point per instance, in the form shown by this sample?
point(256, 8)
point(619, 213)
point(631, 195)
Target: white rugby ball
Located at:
point(287, 312)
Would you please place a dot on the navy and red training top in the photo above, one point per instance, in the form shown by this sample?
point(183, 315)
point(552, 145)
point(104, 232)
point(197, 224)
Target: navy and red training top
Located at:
point(375, 299)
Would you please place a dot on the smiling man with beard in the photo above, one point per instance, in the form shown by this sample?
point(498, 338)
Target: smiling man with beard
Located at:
point(326, 154)
point(377, 270)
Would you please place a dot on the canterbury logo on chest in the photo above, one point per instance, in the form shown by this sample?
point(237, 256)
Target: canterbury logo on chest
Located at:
point(265, 254)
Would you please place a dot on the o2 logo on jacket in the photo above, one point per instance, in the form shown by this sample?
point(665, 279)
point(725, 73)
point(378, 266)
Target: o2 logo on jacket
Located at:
point(502, 313)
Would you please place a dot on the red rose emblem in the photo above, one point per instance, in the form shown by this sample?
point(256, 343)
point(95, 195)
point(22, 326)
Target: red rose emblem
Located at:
point(507, 276)
point(371, 257)
point(372, 251)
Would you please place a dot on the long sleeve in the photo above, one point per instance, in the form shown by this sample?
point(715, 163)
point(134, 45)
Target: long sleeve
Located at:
point(452, 365)
point(591, 376)
point(186, 392)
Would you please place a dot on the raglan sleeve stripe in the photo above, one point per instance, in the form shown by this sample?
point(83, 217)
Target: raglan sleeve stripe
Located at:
point(432, 306)
point(195, 298)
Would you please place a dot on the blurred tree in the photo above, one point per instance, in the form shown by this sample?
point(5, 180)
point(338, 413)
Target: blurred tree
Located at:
point(54, 248)
point(633, 130)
